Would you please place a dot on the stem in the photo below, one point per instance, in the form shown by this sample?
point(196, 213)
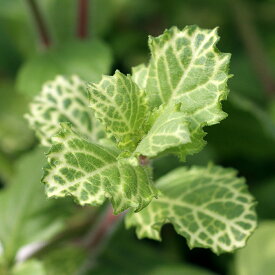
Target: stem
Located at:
point(82, 20)
point(40, 23)
point(252, 42)
point(102, 230)
point(143, 160)
point(99, 236)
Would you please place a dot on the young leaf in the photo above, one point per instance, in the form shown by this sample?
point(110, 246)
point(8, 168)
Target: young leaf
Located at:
point(211, 207)
point(121, 106)
point(169, 130)
point(63, 100)
point(91, 172)
point(140, 75)
point(186, 68)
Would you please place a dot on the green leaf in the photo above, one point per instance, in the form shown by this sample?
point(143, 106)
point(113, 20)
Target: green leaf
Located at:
point(260, 114)
point(26, 216)
point(121, 106)
point(90, 172)
point(259, 254)
point(140, 75)
point(241, 136)
point(63, 100)
point(28, 268)
point(211, 207)
point(179, 269)
point(186, 68)
point(87, 59)
point(15, 136)
point(169, 130)
point(264, 192)
point(72, 258)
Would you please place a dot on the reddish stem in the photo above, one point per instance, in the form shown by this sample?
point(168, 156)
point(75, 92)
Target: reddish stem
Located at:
point(143, 160)
point(40, 23)
point(82, 20)
point(100, 233)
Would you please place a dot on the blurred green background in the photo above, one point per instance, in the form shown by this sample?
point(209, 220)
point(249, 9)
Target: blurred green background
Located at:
point(115, 37)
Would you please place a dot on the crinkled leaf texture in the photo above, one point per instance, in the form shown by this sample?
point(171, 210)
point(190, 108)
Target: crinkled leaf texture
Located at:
point(162, 108)
point(91, 172)
point(63, 100)
point(120, 105)
point(210, 206)
point(187, 69)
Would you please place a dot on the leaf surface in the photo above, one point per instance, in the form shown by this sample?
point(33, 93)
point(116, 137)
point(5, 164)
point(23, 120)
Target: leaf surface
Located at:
point(249, 261)
point(121, 106)
point(91, 172)
point(211, 207)
point(88, 59)
point(29, 267)
point(63, 100)
point(170, 129)
point(186, 68)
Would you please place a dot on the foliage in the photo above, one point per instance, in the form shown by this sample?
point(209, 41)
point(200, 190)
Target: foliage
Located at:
point(135, 144)
point(161, 110)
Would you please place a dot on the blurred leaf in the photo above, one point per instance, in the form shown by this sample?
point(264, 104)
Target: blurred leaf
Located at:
point(272, 110)
point(259, 254)
point(63, 100)
point(178, 269)
point(9, 56)
point(103, 13)
point(142, 258)
point(17, 23)
point(31, 267)
point(88, 59)
point(245, 81)
point(14, 132)
point(261, 115)
point(241, 135)
point(264, 194)
point(64, 260)
point(26, 216)
point(5, 168)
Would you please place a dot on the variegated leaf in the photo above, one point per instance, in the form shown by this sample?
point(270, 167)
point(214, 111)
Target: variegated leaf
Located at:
point(63, 100)
point(210, 206)
point(121, 106)
point(91, 172)
point(186, 68)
